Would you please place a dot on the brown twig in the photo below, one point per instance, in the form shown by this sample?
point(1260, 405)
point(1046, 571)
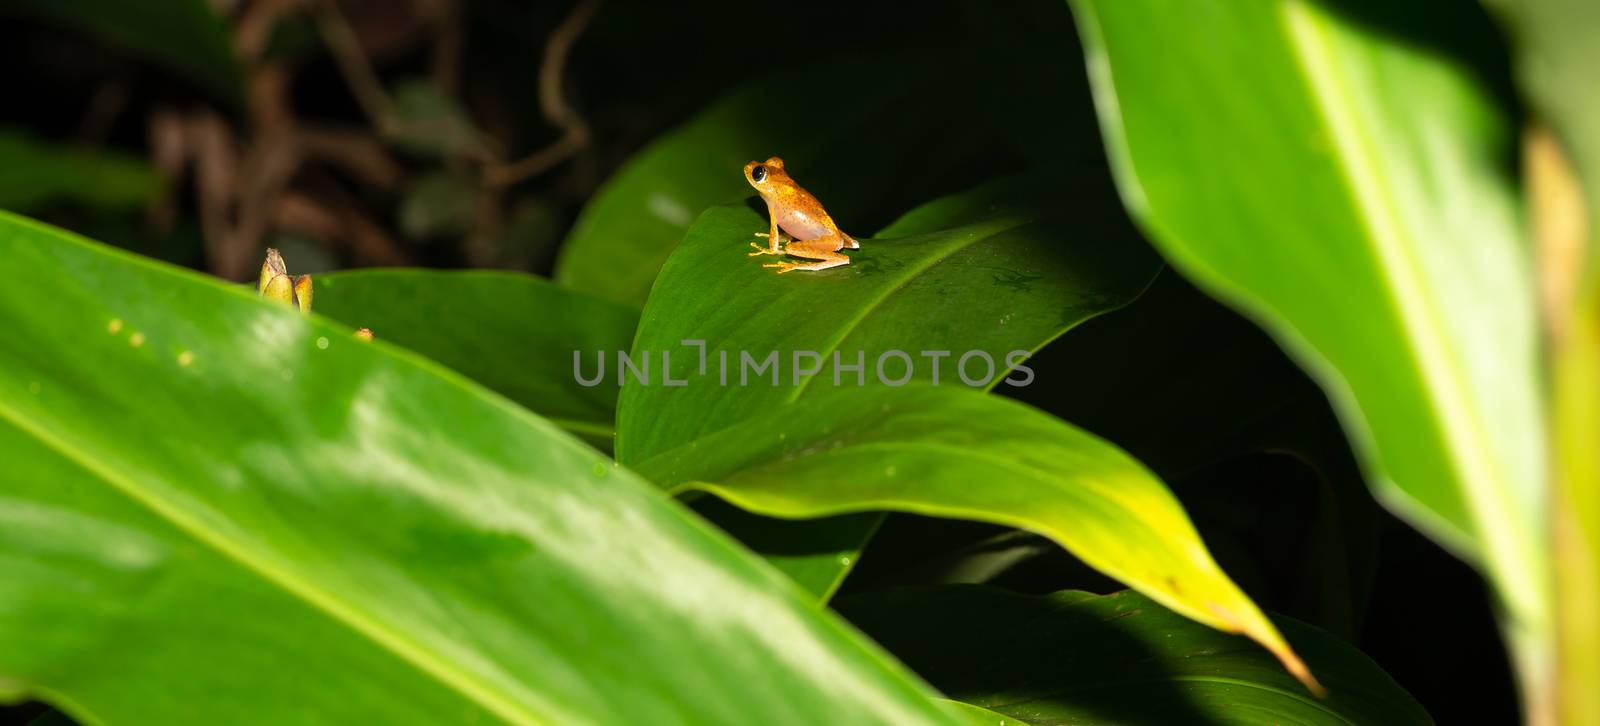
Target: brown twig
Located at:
point(365, 239)
point(167, 134)
point(268, 163)
point(358, 73)
point(445, 63)
point(215, 162)
point(254, 27)
point(354, 150)
point(107, 102)
point(553, 103)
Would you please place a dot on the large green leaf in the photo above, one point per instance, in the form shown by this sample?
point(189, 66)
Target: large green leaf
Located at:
point(514, 333)
point(985, 270)
point(215, 510)
point(35, 173)
point(185, 36)
point(1349, 192)
point(1079, 658)
point(948, 452)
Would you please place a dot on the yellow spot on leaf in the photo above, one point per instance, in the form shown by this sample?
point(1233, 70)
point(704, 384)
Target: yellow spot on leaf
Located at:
point(136, 340)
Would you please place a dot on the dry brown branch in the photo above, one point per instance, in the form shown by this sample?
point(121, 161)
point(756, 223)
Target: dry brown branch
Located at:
point(167, 134)
point(268, 163)
point(366, 240)
point(355, 151)
point(358, 73)
point(215, 162)
point(107, 102)
point(299, 212)
point(553, 103)
point(445, 63)
point(164, 131)
point(340, 222)
point(254, 27)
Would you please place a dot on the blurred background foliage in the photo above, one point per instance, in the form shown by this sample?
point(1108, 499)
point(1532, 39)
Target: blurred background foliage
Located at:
point(456, 134)
point(578, 140)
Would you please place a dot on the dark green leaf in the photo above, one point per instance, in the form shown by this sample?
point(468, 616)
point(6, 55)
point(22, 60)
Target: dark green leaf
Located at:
point(52, 718)
point(35, 174)
point(978, 716)
point(511, 332)
point(1079, 658)
point(439, 204)
point(429, 122)
point(184, 36)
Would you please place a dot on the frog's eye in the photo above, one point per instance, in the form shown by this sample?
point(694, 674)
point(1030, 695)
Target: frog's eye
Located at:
point(759, 174)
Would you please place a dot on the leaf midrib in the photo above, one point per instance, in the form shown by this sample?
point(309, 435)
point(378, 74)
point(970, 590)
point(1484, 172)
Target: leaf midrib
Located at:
point(1003, 224)
point(1488, 495)
point(420, 657)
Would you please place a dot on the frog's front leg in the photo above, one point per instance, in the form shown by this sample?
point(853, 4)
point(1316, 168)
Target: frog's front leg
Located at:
point(774, 238)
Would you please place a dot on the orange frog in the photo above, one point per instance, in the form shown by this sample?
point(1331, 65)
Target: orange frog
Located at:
point(794, 210)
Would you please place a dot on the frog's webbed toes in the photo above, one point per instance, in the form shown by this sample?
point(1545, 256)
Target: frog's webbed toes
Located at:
point(783, 266)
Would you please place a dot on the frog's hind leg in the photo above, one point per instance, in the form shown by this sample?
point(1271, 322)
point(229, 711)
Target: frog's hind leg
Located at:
point(823, 249)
